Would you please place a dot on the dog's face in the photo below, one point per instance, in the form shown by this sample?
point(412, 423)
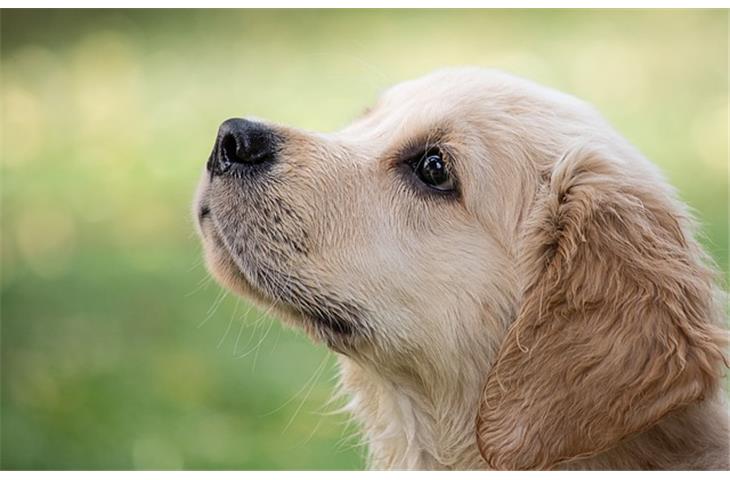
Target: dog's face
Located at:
point(398, 231)
point(471, 219)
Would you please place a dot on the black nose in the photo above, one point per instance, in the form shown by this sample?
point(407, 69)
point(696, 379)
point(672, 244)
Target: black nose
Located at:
point(240, 144)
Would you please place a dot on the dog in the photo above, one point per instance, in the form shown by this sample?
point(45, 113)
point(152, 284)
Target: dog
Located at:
point(507, 283)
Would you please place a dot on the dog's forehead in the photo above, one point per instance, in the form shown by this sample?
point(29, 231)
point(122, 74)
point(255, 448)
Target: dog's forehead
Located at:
point(424, 103)
point(459, 100)
point(440, 85)
point(438, 94)
point(472, 89)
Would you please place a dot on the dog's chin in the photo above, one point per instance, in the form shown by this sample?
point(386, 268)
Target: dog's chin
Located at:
point(338, 337)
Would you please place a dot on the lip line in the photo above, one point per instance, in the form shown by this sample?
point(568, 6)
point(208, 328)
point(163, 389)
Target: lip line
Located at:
point(262, 295)
point(252, 287)
point(203, 212)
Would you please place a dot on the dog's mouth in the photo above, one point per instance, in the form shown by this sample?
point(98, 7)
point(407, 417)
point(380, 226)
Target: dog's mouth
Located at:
point(322, 314)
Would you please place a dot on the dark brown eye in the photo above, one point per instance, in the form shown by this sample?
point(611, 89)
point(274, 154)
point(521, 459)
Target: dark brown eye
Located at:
point(432, 171)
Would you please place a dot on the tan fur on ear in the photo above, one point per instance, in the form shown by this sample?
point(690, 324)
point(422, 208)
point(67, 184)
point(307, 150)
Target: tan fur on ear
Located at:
point(618, 324)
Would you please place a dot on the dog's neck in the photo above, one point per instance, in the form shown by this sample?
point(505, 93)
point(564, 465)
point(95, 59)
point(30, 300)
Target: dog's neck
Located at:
point(407, 426)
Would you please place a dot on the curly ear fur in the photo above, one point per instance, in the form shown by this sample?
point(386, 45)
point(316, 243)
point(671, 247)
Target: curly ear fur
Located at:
point(619, 323)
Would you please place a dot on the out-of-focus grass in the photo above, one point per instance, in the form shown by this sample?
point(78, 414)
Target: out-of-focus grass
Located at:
point(108, 360)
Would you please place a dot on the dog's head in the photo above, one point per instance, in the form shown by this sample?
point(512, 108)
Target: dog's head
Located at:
point(471, 221)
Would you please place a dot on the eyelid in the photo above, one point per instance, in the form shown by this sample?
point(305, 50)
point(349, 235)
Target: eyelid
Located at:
point(412, 150)
point(415, 150)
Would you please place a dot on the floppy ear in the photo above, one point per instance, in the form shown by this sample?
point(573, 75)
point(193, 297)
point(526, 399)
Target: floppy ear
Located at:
point(617, 325)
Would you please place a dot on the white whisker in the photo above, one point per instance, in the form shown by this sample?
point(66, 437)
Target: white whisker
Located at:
point(213, 308)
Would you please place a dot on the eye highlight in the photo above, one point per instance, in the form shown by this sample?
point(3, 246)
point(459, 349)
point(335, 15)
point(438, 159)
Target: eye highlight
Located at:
point(432, 171)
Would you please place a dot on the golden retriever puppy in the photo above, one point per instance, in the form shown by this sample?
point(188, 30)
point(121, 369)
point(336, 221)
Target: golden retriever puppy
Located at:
point(507, 283)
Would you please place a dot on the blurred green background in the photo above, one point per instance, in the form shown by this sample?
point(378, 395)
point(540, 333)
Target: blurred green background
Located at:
point(117, 350)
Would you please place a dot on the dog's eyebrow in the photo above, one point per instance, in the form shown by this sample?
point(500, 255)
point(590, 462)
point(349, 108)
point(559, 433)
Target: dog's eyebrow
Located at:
point(420, 144)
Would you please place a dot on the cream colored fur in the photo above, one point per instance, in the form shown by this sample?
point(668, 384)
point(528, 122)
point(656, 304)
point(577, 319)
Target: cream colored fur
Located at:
point(557, 313)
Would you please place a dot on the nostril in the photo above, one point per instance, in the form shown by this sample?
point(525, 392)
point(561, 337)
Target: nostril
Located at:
point(230, 150)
